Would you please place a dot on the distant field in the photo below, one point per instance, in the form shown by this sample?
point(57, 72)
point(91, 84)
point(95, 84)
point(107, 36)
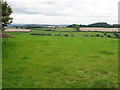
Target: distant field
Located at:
point(41, 29)
point(69, 33)
point(17, 30)
point(66, 29)
point(53, 33)
point(62, 32)
point(35, 61)
point(90, 29)
point(100, 29)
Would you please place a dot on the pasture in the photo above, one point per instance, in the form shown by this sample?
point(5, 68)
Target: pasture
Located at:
point(59, 61)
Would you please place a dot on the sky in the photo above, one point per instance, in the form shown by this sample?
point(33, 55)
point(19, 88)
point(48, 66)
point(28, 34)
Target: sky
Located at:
point(64, 11)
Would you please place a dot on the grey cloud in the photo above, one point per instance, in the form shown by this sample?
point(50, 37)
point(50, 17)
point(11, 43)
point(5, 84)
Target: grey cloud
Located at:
point(45, 10)
point(78, 10)
point(37, 11)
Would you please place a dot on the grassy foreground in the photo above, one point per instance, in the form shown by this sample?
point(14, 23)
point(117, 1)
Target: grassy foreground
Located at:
point(60, 62)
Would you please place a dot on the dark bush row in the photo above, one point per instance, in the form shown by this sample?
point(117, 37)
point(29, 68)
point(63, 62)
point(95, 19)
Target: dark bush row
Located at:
point(41, 34)
point(117, 35)
point(50, 34)
point(97, 35)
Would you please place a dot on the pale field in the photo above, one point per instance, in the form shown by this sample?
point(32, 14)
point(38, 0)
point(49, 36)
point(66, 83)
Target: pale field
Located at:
point(100, 29)
point(17, 30)
point(82, 29)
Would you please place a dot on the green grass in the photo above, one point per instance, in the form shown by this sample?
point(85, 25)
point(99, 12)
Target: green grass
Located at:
point(60, 62)
point(40, 29)
point(0, 63)
point(66, 29)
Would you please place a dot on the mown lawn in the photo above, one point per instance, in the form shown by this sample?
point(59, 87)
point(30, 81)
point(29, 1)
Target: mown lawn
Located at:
point(60, 62)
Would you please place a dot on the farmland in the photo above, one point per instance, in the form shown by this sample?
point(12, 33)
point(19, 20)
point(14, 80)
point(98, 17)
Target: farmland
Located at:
point(100, 29)
point(17, 30)
point(89, 32)
point(56, 59)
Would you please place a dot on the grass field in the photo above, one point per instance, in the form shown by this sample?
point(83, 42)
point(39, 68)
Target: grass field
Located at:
point(59, 32)
point(66, 29)
point(33, 61)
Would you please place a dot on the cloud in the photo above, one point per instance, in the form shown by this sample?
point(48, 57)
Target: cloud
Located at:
point(64, 11)
point(50, 2)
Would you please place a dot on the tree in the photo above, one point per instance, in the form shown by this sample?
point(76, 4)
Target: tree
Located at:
point(77, 27)
point(5, 16)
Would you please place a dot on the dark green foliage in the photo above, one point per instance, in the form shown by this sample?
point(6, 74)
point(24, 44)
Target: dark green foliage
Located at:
point(107, 53)
point(98, 83)
point(117, 35)
point(105, 34)
point(99, 24)
point(76, 27)
point(24, 58)
point(6, 12)
point(109, 36)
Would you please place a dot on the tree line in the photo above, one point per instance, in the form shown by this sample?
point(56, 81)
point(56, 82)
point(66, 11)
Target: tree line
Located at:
point(99, 24)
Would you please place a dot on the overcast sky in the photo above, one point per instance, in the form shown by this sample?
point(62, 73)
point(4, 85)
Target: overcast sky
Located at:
point(64, 11)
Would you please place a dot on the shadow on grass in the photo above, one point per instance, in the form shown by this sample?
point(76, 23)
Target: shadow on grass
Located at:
point(102, 83)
